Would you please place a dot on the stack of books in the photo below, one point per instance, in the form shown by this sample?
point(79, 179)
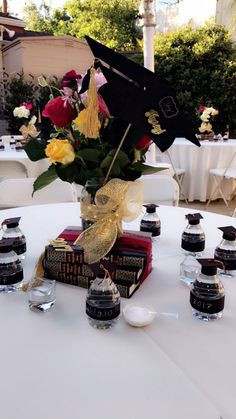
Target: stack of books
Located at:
point(131, 257)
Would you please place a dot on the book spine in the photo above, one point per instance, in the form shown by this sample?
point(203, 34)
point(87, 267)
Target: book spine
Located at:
point(120, 259)
point(129, 274)
point(125, 290)
point(63, 256)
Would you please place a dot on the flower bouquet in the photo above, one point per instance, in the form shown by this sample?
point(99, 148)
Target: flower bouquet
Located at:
point(207, 115)
point(26, 113)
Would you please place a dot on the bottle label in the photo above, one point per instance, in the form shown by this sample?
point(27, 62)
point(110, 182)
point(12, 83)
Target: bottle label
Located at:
point(11, 279)
point(151, 227)
point(193, 244)
point(207, 306)
point(98, 313)
point(19, 247)
point(227, 257)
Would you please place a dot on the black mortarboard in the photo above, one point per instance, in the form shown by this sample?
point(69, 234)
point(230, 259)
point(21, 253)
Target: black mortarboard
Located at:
point(194, 218)
point(6, 245)
point(209, 266)
point(229, 232)
point(140, 97)
point(151, 208)
point(11, 222)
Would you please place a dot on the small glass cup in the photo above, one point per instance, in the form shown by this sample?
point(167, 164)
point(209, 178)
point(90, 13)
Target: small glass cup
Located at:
point(41, 294)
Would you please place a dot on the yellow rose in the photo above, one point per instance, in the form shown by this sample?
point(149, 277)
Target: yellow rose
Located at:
point(60, 151)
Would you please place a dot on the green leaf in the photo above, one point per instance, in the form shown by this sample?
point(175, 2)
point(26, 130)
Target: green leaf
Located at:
point(35, 150)
point(122, 159)
point(145, 169)
point(45, 179)
point(116, 170)
point(89, 154)
point(106, 162)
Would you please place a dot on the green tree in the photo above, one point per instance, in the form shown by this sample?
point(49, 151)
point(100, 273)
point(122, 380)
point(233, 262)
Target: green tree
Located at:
point(200, 65)
point(112, 22)
point(38, 18)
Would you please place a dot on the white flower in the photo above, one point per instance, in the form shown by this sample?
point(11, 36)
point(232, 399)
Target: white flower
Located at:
point(205, 116)
point(21, 112)
point(32, 120)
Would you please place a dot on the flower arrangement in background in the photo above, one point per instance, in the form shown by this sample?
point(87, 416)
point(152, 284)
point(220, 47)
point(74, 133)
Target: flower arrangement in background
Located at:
point(207, 115)
point(86, 143)
point(26, 113)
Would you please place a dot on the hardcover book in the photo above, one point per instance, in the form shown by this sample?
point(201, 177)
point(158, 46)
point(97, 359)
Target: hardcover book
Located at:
point(131, 255)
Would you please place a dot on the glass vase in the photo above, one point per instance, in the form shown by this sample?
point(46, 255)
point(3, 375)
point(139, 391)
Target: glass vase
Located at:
point(87, 199)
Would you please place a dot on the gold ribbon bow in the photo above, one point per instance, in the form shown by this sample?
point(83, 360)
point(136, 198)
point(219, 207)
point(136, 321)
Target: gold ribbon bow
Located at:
point(115, 202)
point(28, 131)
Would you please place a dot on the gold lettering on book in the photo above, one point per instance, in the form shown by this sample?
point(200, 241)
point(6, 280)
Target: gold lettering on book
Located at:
point(60, 245)
point(153, 116)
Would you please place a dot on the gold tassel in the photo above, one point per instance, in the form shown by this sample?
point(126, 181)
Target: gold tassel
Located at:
point(88, 122)
point(39, 117)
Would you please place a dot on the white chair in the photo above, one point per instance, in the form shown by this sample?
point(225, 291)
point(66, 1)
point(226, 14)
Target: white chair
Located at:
point(12, 169)
point(160, 189)
point(177, 172)
point(6, 138)
point(18, 193)
point(219, 175)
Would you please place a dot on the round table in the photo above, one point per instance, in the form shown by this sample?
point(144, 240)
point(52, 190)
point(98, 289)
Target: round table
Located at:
point(197, 161)
point(55, 365)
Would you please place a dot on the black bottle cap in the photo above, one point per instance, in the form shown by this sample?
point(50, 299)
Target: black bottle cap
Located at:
point(194, 219)
point(6, 245)
point(229, 232)
point(11, 222)
point(151, 208)
point(209, 266)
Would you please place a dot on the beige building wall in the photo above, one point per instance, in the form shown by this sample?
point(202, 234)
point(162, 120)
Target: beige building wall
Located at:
point(47, 55)
point(226, 15)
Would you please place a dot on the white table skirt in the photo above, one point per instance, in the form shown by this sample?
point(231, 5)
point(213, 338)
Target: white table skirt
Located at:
point(55, 365)
point(34, 169)
point(197, 161)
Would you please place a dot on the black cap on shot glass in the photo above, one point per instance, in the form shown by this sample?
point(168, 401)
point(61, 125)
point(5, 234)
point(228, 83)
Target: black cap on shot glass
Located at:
point(194, 219)
point(209, 266)
point(11, 222)
point(6, 245)
point(229, 232)
point(151, 208)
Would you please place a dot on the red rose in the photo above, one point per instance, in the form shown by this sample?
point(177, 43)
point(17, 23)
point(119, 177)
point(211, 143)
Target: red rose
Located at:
point(60, 112)
point(27, 105)
point(71, 75)
point(202, 108)
point(144, 142)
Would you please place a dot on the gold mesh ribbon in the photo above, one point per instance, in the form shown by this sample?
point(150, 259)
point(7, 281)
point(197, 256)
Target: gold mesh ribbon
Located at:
point(28, 131)
point(115, 202)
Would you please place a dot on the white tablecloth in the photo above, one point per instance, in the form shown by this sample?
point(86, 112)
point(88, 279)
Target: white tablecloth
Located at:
point(55, 365)
point(197, 183)
point(34, 169)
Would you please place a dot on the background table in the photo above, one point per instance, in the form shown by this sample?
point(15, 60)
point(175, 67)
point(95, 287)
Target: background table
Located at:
point(34, 169)
point(197, 161)
point(55, 365)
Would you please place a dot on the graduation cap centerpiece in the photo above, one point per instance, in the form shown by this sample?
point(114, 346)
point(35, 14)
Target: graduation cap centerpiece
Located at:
point(104, 123)
point(139, 97)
